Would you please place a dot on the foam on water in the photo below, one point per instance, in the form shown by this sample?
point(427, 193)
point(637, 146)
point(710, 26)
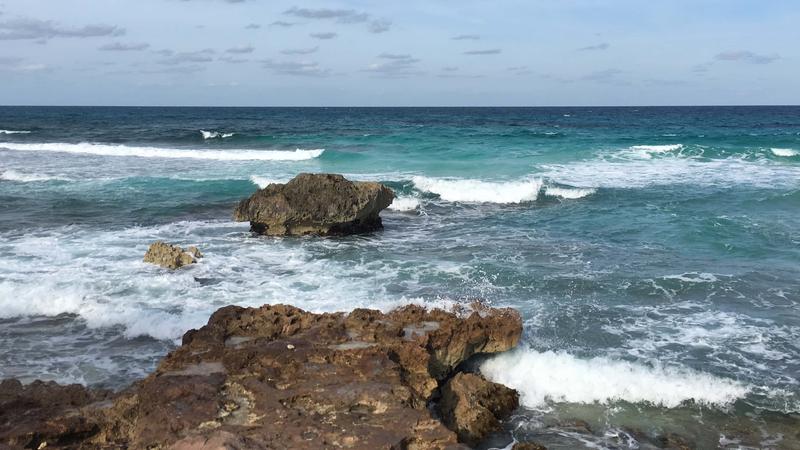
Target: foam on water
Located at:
point(785, 152)
point(13, 175)
point(641, 173)
point(173, 153)
point(405, 204)
point(568, 193)
point(215, 134)
point(478, 191)
point(14, 132)
point(543, 377)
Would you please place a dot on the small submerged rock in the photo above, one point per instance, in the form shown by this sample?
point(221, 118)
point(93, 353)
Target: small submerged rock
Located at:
point(320, 204)
point(171, 256)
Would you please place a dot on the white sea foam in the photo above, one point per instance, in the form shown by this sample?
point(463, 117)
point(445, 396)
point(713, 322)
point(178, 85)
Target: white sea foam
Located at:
point(14, 132)
point(639, 173)
point(158, 152)
point(647, 151)
point(405, 204)
point(786, 152)
point(543, 377)
point(215, 134)
point(477, 191)
point(20, 177)
point(568, 193)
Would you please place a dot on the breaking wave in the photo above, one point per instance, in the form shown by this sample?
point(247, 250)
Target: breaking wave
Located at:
point(477, 191)
point(215, 134)
point(543, 377)
point(158, 152)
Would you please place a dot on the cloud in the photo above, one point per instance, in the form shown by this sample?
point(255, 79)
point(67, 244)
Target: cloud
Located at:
point(177, 70)
point(123, 47)
point(233, 60)
point(374, 25)
point(15, 64)
point(174, 59)
point(466, 37)
point(281, 23)
point(300, 51)
point(326, 35)
point(339, 15)
point(304, 69)
point(395, 66)
point(379, 26)
point(240, 50)
point(747, 57)
point(34, 29)
point(491, 51)
point(252, 26)
point(450, 69)
point(519, 70)
point(602, 46)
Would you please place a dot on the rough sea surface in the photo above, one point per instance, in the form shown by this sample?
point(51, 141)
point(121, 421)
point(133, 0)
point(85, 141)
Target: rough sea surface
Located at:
point(654, 253)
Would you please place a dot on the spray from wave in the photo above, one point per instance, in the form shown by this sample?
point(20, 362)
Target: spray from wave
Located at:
point(405, 204)
point(158, 152)
point(543, 377)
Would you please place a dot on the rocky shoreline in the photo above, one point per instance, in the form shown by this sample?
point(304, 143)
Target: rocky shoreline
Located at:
point(280, 377)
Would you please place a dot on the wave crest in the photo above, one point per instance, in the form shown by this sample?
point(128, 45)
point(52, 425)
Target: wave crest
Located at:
point(785, 152)
point(174, 153)
point(215, 134)
point(14, 132)
point(543, 377)
point(13, 175)
point(477, 191)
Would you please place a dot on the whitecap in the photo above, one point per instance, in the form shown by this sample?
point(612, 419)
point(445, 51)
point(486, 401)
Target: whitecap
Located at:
point(14, 132)
point(215, 134)
point(263, 182)
point(568, 193)
point(785, 152)
point(160, 152)
point(543, 377)
point(647, 151)
point(13, 175)
point(478, 191)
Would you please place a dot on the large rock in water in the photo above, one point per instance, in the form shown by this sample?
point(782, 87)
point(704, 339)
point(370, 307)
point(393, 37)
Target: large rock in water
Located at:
point(473, 406)
point(277, 377)
point(171, 256)
point(322, 204)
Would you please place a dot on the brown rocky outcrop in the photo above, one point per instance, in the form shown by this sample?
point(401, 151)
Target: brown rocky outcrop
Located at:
point(473, 407)
point(171, 256)
point(278, 377)
point(321, 204)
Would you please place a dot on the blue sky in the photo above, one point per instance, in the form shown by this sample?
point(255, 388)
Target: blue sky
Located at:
point(414, 52)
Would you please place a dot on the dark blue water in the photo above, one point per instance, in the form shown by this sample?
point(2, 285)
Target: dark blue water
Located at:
point(653, 252)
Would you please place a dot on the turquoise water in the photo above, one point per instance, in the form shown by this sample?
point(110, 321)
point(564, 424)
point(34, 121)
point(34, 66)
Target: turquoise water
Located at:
point(654, 253)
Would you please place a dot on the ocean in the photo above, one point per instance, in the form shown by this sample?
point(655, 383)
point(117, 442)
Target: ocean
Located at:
point(654, 253)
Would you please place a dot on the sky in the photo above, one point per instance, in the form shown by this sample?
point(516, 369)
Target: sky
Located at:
point(399, 53)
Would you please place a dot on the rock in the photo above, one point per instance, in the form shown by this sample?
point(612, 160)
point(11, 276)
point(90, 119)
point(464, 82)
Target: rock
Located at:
point(43, 413)
point(320, 204)
point(473, 407)
point(279, 377)
point(171, 256)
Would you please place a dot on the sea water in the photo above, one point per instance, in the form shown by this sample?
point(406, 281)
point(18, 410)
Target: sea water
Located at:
point(654, 253)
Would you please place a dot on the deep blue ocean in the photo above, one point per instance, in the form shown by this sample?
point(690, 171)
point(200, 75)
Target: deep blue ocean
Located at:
point(654, 253)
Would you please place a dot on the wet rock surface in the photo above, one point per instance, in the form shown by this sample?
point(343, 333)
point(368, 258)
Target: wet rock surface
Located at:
point(473, 406)
point(171, 256)
point(320, 204)
point(279, 377)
